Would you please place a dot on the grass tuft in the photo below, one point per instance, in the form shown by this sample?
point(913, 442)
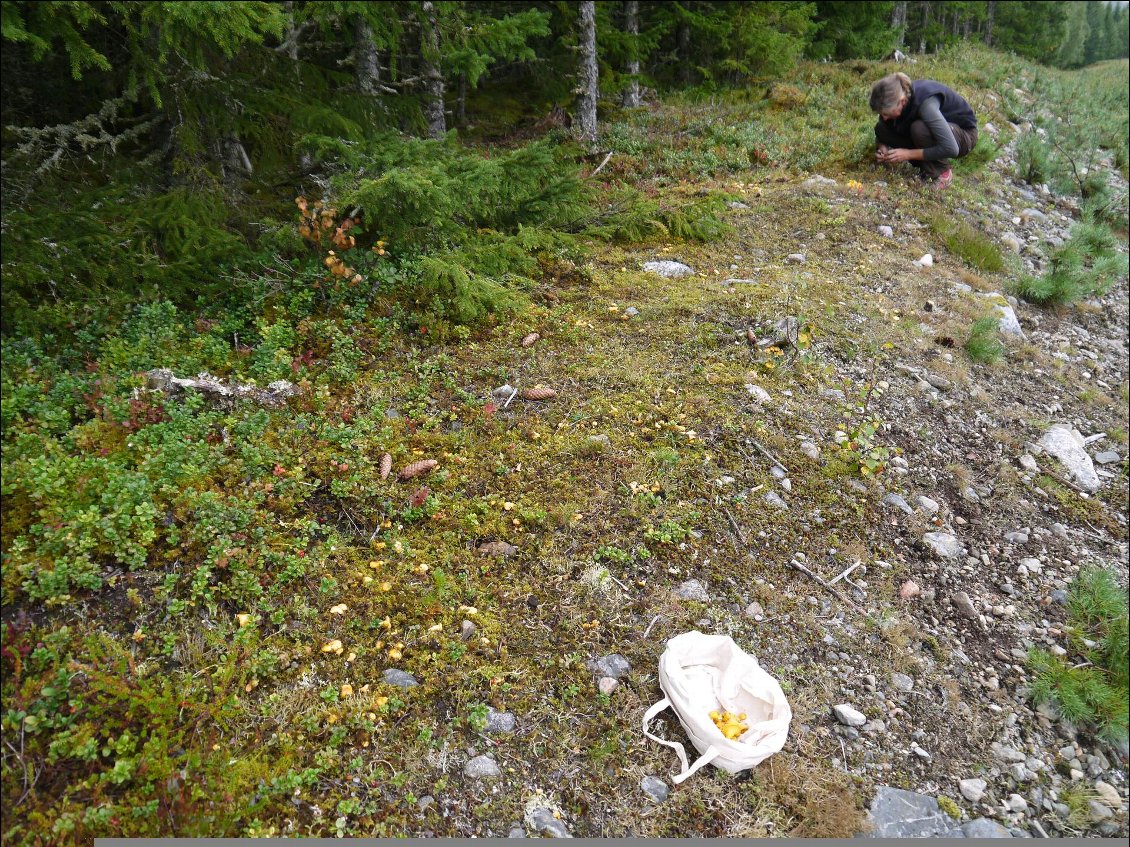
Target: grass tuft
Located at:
point(973, 247)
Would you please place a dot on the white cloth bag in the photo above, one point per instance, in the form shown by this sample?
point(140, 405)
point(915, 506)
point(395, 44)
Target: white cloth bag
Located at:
point(701, 673)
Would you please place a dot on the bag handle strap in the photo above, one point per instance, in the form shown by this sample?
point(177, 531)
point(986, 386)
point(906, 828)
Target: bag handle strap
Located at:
point(687, 768)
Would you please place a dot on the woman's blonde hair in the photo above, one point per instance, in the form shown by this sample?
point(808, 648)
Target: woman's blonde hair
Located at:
point(886, 92)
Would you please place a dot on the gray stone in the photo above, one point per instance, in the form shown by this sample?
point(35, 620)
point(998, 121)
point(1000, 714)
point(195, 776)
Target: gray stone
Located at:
point(897, 502)
point(1099, 811)
point(1004, 753)
point(1108, 457)
point(1013, 243)
point(928, 505)
point(399, 678)
point(1066, 444)
point(467, 630)
point(667, 269)
point(902, 682)
point(613, 665)
point(964, 605)
point(774, 500)
point(984, 828)
point(499, 721)
point(631, 311)
point(896, 813)
point(736, 205)
point(848, 715)
point(516, 832)
point(692, 589)
point(1009, 323)
point(810, 449)
point(654, 789)
point(972, 789)
point(1028, 462)
point(542, 821)
point(886, 231)
point(1015, 803)
point(944, 544)
point(482, 767)
point(796, 258)
point(503, 393)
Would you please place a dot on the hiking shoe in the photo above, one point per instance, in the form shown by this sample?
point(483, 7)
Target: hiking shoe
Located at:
point(944, 179)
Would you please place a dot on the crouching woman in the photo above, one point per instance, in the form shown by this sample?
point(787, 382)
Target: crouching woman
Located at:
point(924, 123)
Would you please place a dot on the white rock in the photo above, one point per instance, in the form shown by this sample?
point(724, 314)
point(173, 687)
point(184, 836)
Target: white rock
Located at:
point(886, 231)
point(849, 716)
point(482, 767)
point(944, 544)
point(1108, 794)
point(1009, 323)
point(928, 505)
point(758, 393)
point(1066, 444)
point(796, 258)
point(926, 261)
point(972, 789)
point(667, 269)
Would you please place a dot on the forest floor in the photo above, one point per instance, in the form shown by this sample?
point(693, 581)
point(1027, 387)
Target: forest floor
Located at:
point(687, 461)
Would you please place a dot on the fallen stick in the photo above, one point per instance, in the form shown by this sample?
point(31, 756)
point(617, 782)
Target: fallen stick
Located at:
point(647, 631)
point(734, 525)
point(845, 574)
point(768, 455)
point(600, 167)
point(824, 584)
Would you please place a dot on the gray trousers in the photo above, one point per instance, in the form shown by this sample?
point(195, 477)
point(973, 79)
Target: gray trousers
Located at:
point(920, 138)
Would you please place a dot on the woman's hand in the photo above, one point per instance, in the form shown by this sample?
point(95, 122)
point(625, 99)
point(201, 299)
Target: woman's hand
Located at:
point(895, 154)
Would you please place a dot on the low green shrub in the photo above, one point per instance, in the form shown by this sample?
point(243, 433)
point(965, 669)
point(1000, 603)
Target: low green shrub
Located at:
point(984, 345)
point(1086, 265)
point(1094, 692)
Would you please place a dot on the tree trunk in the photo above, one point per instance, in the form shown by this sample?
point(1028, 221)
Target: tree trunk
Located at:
point(433, 78)
point(925, 24)
point(683, 51)
point(990, 13)
point(630, 97)
point(898, 20)
point(235, 164)
point(461, 102)
point(290, 39)
point(366, 61)
point(587, 73)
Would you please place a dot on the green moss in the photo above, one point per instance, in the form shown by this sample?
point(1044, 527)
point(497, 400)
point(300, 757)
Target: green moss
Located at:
point(947, 805)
